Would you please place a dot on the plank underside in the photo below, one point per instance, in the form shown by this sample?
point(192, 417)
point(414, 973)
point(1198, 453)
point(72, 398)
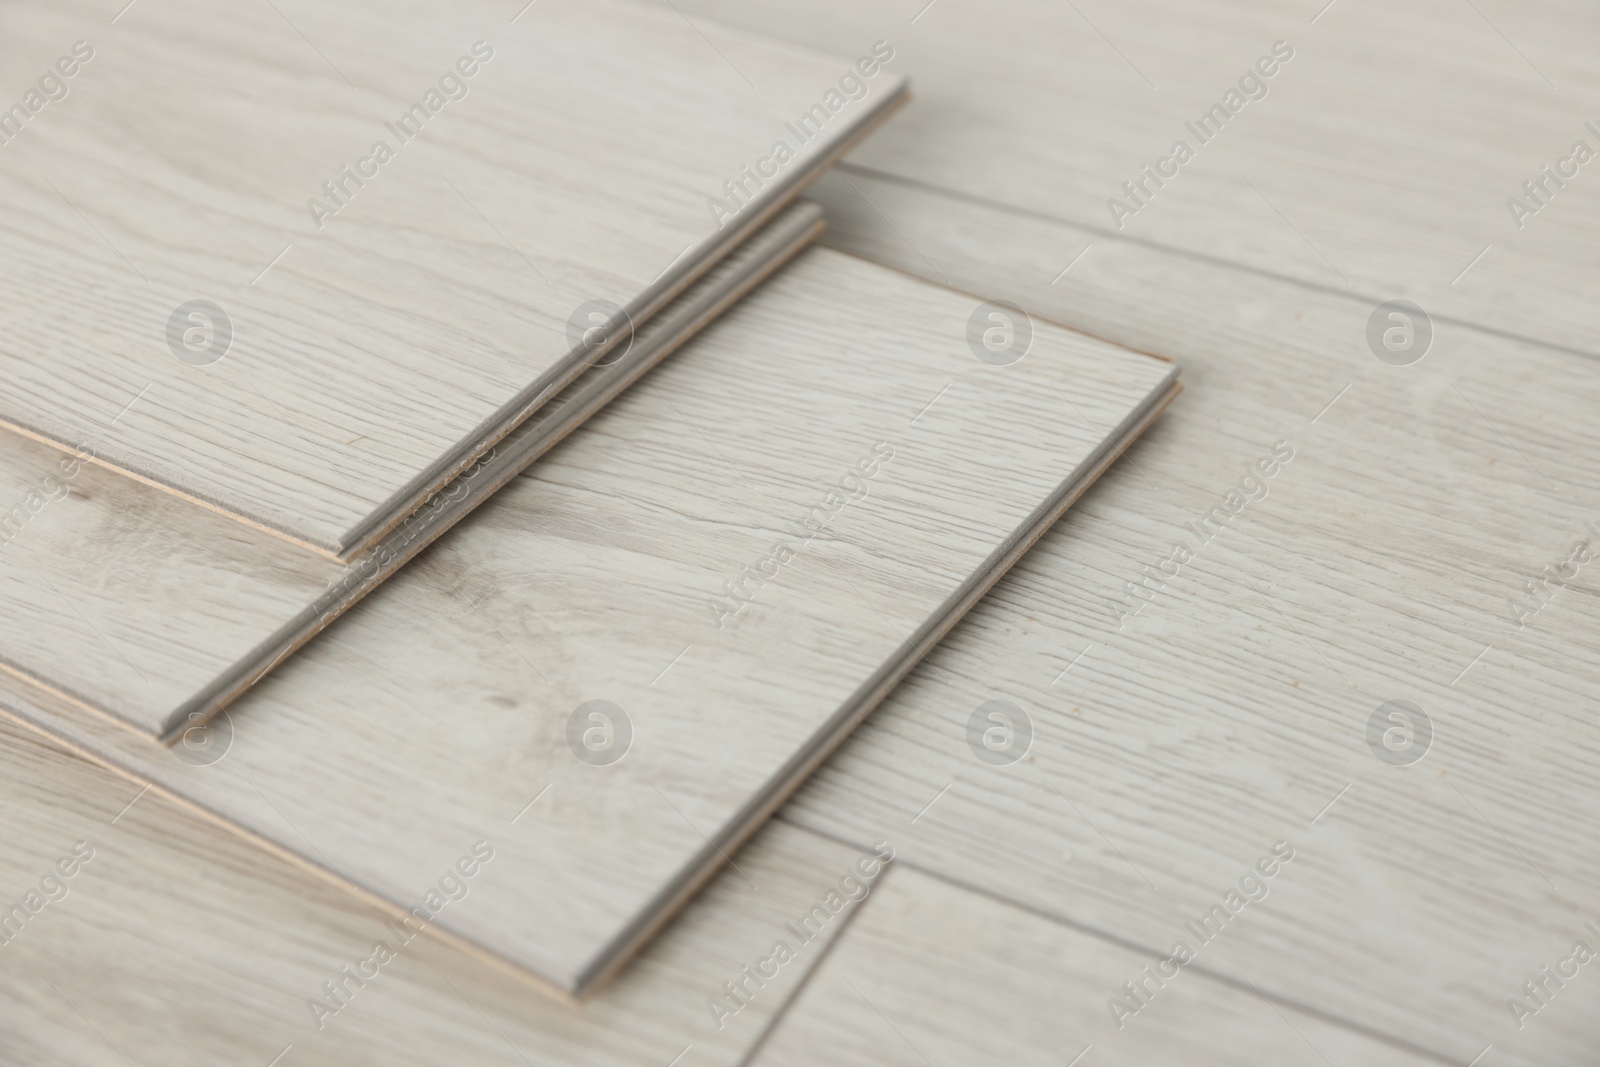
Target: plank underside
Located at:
point(452, 702)
point(363, 357)
point(187, 608)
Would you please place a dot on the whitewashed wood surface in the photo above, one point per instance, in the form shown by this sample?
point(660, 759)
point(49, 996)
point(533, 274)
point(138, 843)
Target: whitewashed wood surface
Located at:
point(1232, 709)
point(1393, 569)
point(1378, 163)
point(569, 157)
point(441, 707)
point(915, 981)
point(178, 943)
point(1214, 722)
point(231, 946)
point(139, 606)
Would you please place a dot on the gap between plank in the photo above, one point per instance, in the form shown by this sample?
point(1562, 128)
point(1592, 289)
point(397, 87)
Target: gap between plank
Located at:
point(845, 166)
point(1241, 985)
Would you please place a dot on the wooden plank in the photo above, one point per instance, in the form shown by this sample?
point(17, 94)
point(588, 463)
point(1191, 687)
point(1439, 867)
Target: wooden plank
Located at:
point(740, 556)
point(178, 943)
point(184, 609)
point(1390, 560)
point(1370, 166)
point(929, 972)
point(367, 337)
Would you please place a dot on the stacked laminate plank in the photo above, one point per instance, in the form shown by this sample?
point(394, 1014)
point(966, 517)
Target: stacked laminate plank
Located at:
point(311, 400)
point(584, 682)
point(651, 637)
point(353, 398)
point(187, 608)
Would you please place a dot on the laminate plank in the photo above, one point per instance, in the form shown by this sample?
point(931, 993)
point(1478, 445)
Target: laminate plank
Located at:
point(366, 338)
point(1391, 559)
point(739, 556)
point(1365, 163)
point(138, 606)
point(178, 943)
point(930, 972)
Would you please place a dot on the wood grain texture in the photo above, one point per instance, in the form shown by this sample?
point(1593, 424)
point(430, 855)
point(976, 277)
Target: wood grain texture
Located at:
point(1232, 709)
point(929, 972)
point(141, 607)
point(442, 705)
point(1373, 165)
point(178, 943)
point(373, 352)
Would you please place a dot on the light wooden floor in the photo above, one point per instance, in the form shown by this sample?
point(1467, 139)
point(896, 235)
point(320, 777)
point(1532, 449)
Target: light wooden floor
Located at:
point(1231, 711)
point(1172, 752)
